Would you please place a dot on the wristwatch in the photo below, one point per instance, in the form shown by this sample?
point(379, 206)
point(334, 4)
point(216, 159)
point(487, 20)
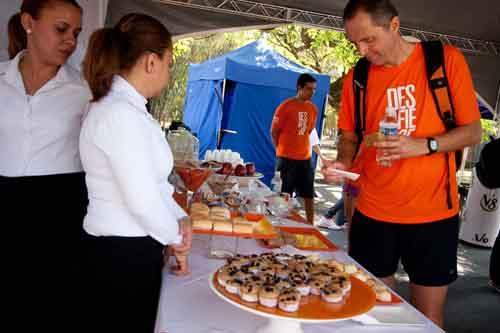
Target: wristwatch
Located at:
point(433, 146)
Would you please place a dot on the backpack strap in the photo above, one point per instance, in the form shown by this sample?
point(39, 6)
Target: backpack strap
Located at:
point(438, 82)
point(360, 82)
point(440, 89)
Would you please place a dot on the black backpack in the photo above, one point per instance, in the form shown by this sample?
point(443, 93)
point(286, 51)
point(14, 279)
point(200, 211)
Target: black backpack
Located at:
point(438, 83)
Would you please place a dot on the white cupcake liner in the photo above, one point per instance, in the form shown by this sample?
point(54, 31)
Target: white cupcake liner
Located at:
point(268, 302)
point(304, 291)
point(222, 282)
point(232, 289)
point(346, 289)
point(331, 298)
point(315, 291)
point(291, 307)
point(249, 297)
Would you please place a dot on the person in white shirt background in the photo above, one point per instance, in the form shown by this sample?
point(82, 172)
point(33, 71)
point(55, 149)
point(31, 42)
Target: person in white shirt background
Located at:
point(315, 143)
point(42, 187)
point(131, 215)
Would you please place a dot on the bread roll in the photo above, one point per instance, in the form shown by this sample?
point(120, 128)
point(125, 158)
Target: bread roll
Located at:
point(218, 217)
point(198, 216)
point(202, 224)
point(199, 208)
point(243, 228)
point(224, 226)
point(220, 211)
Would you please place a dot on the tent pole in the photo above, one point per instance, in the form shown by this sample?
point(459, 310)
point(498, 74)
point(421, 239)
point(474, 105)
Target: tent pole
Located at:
point(219, 134)
point(324, 117)
point(224, 91)
point(496, 117)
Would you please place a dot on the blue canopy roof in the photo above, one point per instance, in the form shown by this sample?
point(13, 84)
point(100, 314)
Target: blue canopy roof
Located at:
point(255, 63)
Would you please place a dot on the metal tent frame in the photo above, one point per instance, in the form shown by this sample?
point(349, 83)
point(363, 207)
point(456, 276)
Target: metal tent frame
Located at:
point(325, 21)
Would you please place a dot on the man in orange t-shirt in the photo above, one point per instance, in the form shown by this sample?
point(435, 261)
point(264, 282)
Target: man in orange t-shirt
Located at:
point(293, 121)
point(402, 211)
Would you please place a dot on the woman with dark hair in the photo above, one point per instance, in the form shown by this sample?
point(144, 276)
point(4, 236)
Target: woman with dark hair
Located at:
point(132, 215)
point(42, 187)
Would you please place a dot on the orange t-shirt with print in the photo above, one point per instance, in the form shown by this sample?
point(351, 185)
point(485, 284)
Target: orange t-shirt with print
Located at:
point(412, 190)
point(295, 121)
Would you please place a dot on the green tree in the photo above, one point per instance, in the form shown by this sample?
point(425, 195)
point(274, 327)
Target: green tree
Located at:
point(489, 128)
point(170, 104)
point(325, 51)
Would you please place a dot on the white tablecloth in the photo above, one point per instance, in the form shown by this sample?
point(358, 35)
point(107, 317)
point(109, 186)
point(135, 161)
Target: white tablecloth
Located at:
point(188, 305)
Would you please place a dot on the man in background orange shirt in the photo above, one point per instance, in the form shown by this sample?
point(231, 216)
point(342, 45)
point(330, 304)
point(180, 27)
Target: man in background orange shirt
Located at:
point(402, 211)
point(293, 121)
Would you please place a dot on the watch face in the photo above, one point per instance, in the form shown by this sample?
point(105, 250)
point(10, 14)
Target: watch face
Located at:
point(433, 145)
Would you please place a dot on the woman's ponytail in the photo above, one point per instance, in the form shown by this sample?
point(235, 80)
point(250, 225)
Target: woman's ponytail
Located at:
point(112, 51)
point(102, 61)
point(17, 36)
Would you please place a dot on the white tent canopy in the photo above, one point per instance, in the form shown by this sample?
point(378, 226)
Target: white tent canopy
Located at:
point(474, 26)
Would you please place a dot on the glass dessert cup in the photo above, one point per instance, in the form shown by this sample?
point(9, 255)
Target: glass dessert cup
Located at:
point(193, 178)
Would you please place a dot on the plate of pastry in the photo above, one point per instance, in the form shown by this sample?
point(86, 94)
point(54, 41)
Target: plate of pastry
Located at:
point(218, 220)
point(284, 286)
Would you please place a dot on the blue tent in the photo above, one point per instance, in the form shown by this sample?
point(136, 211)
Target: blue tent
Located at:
point(230, 101)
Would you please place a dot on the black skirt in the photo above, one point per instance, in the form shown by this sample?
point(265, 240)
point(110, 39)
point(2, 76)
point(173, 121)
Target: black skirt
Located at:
point(122, 283)
point(42, 228)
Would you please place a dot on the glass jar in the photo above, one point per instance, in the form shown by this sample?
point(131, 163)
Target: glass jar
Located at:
point(184, 145)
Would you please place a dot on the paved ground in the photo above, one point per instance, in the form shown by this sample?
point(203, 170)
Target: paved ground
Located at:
point(472, 307)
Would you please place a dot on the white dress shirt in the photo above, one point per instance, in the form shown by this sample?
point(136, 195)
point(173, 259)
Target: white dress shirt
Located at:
point(127, 161)
point(39, 134)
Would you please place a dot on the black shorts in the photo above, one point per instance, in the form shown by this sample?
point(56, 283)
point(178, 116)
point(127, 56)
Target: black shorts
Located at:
point(428, 251)
point(296, 176)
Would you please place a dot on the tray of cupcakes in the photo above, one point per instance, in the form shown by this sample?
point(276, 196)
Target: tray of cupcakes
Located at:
point(293, 286)
point(217, 220)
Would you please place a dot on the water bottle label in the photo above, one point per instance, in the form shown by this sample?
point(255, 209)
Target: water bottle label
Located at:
point(388, 129)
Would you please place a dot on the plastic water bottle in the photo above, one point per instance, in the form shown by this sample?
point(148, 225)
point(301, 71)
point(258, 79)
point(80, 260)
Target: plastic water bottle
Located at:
point(276, 183)
point(196, 147)
point(388, 126)
point(184, 145)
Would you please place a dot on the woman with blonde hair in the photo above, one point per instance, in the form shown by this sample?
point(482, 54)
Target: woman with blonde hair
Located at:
point(42, 185)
